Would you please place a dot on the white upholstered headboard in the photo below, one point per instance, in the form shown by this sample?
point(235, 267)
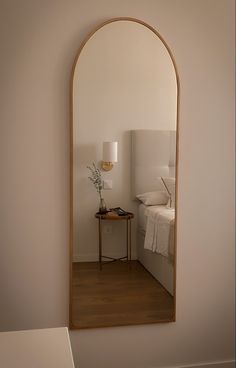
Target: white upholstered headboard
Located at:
point(152, 156)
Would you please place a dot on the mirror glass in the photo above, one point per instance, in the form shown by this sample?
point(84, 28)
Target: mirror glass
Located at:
point(124, 90)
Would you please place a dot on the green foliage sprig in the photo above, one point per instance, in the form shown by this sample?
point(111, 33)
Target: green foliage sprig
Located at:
point(96, 178)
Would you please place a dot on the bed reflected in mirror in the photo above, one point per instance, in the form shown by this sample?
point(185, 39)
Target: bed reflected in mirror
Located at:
point(123, 205)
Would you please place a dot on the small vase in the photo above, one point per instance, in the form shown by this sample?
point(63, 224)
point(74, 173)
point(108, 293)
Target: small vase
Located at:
point(102, 206)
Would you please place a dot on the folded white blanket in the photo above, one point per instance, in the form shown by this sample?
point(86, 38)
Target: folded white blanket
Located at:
point(160, 230)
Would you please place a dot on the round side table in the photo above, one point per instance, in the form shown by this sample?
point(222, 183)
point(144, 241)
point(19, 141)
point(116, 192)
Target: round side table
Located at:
point(112, 217)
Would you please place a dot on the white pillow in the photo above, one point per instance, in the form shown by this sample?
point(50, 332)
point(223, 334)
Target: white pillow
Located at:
point(169, 184)
point(153, 198)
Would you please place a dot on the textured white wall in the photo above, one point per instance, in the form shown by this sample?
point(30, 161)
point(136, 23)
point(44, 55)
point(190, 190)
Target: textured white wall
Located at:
point(39, 40)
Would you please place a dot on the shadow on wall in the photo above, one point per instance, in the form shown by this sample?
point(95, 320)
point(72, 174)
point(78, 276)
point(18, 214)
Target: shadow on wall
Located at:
point(86, 153)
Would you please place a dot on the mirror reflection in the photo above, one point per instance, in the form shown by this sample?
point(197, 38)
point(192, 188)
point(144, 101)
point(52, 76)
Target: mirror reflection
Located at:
point(124, 166)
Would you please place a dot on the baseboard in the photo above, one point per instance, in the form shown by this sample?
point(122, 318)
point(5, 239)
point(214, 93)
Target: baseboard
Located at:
point(227, 364)
point(85, 258)
point(94, 257)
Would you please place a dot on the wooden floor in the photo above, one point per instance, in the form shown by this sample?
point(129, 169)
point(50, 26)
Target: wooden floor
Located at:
point(117, 295)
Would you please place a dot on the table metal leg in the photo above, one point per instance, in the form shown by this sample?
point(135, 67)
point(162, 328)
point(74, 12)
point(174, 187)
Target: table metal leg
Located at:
point(127, 239)
point(129, 243)
point(100, 243)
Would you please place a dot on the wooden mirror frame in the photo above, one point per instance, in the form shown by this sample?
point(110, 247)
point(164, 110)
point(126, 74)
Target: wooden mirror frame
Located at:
point(71, 237)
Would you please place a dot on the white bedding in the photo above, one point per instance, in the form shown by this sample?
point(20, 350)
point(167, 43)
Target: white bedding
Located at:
point(142, 218)
point(158, 223)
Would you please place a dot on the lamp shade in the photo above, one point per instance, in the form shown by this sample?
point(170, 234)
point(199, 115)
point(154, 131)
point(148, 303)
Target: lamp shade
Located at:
point(110, 151)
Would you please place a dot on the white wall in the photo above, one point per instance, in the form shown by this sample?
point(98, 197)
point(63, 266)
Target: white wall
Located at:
point(39, 40)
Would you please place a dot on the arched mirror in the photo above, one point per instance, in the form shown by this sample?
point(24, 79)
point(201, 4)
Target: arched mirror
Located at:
point(125, 98)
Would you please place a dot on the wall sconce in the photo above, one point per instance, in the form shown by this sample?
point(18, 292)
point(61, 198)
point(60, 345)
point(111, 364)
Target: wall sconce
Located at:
point(109, 155)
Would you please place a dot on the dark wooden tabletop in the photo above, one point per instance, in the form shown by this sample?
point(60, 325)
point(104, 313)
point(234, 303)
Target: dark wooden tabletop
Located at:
point(114, 216)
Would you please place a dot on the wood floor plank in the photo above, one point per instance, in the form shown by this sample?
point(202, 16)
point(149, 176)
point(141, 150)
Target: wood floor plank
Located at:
point(117, 295)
